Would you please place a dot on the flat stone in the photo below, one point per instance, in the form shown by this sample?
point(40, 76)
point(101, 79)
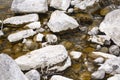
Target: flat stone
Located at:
point(43, 57)
point(17, 20)
point(58, 77)
point(59, 21)
point(60, 4)
point(34, 25)
point(21, 35)
point(33, 75)
point(9, 70)
point(111, 26)
point(29, 6)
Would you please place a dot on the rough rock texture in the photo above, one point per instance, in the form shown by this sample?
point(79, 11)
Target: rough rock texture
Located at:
point(34, 25)
point(100, 74)
point(21, 35)
point(111, 26)
point(60, 4)
point(58, 77)
point(115, 77)
point(83, 4)
point(33, 75)
point(59, 21)
point(111, 66)
point(17, 20)
point(44, 57)
point(26, 6)
point(9, 70)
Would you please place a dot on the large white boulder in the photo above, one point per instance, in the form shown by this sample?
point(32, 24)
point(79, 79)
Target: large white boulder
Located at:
point(44, 57)
point(111, 26)
point(59, 21)
point(9, 70)
point(21, 35)
point(28, 6)
point(60, 4)
point(17, 20)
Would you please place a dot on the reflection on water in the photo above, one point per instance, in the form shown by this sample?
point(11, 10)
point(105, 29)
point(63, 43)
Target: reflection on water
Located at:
point(5, 8)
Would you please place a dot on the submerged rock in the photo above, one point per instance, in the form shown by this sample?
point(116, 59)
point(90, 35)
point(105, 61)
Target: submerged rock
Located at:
point(60, 4)
point(9, 70)
point(33, 75)
point(59, 21)
point(21, 35)
point(45, 57)
point(29, 6)
point(17, 20)
point(110, 26)
point(58, 77)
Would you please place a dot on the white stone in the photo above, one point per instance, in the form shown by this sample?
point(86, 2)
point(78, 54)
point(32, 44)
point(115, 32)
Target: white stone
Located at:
point(34, 25)
point(59, 21)
point(70, 10)
point(29, 6)
point(99, 39)
point(9, 70)
point(17, 20)
point(83, 4)
point(1, 33)
point(60, 4)
point(58, 77)
point(33, 75)
point(115, 77)
point(93, 31)
point(111, 66)
point(115, 50)
point(75, 54)
point(0, 21)
point(100, 74)
point(111, 26)
point(51, 38)
point(44, 57)
point(21, 35)
point(99, 60)
point(39, 37)
point(105, 55)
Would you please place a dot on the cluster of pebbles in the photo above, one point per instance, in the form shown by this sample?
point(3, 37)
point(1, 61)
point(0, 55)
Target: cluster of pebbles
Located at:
point(61, 40)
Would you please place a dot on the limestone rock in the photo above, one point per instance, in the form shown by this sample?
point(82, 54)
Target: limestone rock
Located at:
point(9, 70)
point(58, 77)
point(17, 20)
point(21, 35)
point(44, 57)
point(111, 66)
point(60, 4)
point(29, 6)
point(34, 25)
point(59, 21)
point(100, 74)
point(33, 75)
point(110, 26)
point(115, 77)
